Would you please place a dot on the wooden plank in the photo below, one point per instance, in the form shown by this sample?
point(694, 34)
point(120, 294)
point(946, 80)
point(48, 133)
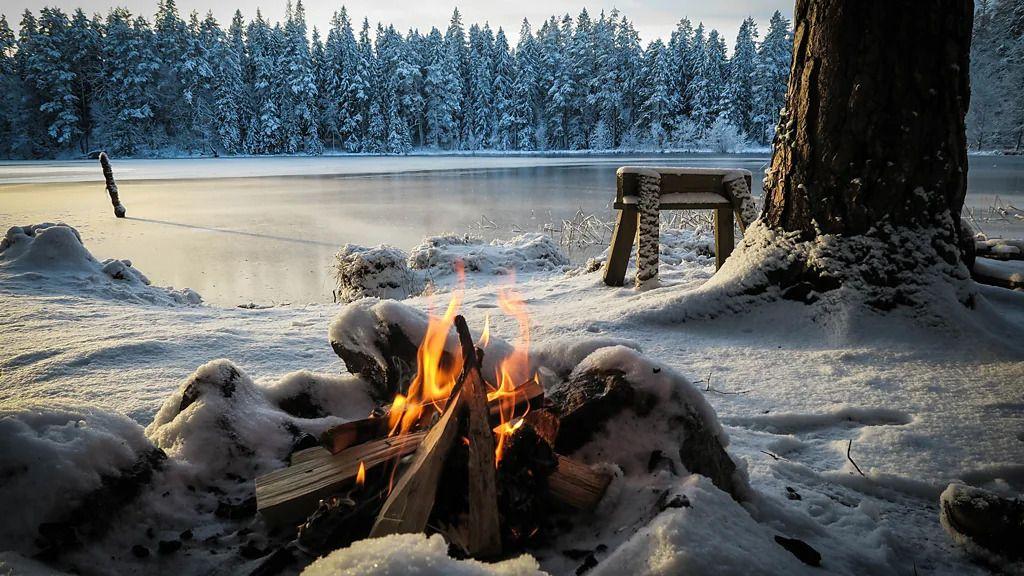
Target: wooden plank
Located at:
point(685, 183)
point(291, 493)
point(482, 527)
point(408, 507)
point(724, 236)
point(577, 485)
point(309, 454)
point(622, 244)
point(677, 206)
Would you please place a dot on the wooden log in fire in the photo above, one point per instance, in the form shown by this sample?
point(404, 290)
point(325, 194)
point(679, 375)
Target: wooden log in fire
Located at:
point(290, 494)
point(573, 484)
point(482, 528)
point(349, 434)
point(409, 504)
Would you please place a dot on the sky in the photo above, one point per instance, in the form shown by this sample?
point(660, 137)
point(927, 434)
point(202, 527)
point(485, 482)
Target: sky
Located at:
point(652, 18)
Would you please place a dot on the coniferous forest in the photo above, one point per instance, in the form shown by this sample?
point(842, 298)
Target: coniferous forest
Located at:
point(75, 83)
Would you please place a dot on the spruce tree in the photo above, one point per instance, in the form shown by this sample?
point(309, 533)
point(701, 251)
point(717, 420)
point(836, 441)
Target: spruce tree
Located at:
point(770, 78)
point(739, 88)
point(130, 84)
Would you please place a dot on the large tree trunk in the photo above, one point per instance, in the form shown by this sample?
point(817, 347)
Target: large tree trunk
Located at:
point(873, 129)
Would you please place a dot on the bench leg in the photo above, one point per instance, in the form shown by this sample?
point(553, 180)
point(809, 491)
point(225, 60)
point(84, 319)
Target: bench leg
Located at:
point(724, 240)
point(622, 245)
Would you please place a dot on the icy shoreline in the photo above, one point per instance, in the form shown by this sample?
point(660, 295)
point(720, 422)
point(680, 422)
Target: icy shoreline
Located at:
point(791, 392)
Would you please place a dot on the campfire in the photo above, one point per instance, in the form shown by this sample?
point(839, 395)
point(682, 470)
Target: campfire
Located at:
point(457, 449)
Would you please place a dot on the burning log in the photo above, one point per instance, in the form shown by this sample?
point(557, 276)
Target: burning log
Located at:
point(528, 396)
point(108, 175)
point(409, 505)
point(289, 494)
point(483, 533)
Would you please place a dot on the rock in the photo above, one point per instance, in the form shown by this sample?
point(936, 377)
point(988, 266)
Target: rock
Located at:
point(236, 510)
point(802, 550)
point(987, 525)
point(617, 384)
point(792, 494)
point(140, 551)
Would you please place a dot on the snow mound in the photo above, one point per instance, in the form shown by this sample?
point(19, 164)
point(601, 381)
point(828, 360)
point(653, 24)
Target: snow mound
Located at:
point(536, 252)
point(223, 426)
point(51, 257)
point(708, 534)
point(54, 454)
point(413, 555)
point(381, 272)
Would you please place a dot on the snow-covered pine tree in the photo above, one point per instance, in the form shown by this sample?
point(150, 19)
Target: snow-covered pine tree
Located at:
point(739, 88)
point(130, 70)
point(458, 56)
point(170, 109)
point(10, 84)
point(503, 91)
point(48, 69)
point(524, 91)
point(230, 91)
point(479, 114)
point(411, 100)
point(773, 60)
point(262, 130)
point(363, 88)
point(318, 66)
point(606, 87)
point(583, 68)
point(655, 119)
point(709, 82)
point(558, 80)
point(196, 74)
point(444, 89)
point(629, 56)
point(300, 123)
point(85, 39)
point(681, 60)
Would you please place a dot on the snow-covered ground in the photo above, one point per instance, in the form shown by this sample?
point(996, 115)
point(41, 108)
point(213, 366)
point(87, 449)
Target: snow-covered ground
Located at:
point(923, 402)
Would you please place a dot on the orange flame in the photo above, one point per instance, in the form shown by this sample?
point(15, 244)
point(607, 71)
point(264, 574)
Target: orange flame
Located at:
point(512, 371)
point(485, 336)
point(361, 475)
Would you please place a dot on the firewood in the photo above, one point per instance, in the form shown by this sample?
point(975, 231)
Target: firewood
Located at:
point(577, 485)
point(353, 433)
point(408, 506)
point(290, 494)
point(482, 528)
point(108, 176)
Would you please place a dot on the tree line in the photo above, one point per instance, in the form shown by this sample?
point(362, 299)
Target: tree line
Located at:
point(996, 116)
point(75, 83)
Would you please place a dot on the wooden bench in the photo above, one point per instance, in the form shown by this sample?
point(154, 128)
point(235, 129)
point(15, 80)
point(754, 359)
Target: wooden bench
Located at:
point(677, 189)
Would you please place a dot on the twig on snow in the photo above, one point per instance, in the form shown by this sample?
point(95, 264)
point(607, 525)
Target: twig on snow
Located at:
point(849, 446)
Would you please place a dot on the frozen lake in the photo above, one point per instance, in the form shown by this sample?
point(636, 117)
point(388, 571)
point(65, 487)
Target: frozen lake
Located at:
point(265, 229)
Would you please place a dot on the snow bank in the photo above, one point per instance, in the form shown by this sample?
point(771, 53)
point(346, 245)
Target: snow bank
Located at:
point(388, 272)
point(438, 255)
point(710, 534)
point(55, 453)
point(51, 258)
point(414, 555)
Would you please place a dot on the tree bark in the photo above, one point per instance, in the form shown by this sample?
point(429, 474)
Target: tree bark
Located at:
point(873, 128)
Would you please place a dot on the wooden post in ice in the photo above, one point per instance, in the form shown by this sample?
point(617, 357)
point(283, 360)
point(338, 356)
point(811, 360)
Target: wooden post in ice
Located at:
point(108, 175)
point(650, 227)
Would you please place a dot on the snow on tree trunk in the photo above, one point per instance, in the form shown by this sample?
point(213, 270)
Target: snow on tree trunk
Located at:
point(649, 231)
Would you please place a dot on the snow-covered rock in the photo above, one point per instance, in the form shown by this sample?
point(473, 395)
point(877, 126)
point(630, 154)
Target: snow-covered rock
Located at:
point(380, 272)
point(988, 526)
point(50, 258)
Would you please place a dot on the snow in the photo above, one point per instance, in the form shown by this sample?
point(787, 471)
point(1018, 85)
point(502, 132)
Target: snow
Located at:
point(926, 396)
point(1010, 271)
point(415, 555)
point(54, 453)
